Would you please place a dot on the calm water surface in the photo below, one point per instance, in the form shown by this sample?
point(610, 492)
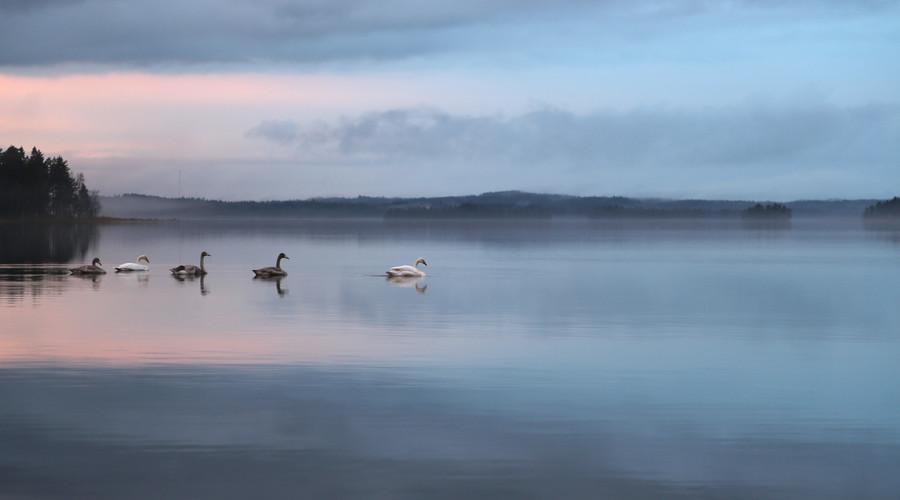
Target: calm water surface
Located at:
point(536, 360)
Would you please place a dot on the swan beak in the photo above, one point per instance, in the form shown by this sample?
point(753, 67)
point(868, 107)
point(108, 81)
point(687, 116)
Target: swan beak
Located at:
point(286, 257)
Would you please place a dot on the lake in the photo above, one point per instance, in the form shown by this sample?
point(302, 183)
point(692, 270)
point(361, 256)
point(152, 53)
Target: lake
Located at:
point(538, 359)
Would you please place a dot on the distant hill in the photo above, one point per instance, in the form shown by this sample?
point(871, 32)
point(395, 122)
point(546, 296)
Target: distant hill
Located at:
point(502, 204)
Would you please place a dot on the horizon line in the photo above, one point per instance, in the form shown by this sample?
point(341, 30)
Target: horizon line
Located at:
point(485, 193)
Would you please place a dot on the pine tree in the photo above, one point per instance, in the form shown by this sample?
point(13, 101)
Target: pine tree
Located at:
point(62, 187)
point(12, 166)
point(36, 177)
point(86, 204)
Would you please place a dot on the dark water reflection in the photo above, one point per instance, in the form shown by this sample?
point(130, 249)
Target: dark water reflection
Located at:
point(36, 243)
point(536, 360)
point(26, 281)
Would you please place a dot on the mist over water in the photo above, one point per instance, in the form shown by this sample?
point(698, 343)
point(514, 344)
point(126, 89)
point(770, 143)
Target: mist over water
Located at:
point(538, 359)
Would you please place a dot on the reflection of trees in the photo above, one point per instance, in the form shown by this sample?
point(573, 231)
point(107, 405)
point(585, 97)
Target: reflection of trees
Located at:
point(35, 243)
point(883, 228)
point(764, 224)
point(17, 282)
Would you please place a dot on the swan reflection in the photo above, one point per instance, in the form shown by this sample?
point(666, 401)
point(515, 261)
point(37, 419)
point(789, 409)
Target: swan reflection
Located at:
point(141, 278)
point(416, 283)
point(274, 279)
point(181, 278)
point(95, 279)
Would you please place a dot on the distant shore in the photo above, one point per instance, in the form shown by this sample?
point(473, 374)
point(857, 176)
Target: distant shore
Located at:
point(503, 205)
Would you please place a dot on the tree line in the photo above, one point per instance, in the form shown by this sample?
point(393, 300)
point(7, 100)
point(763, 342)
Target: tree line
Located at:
point(768, 211)
point(32, 185)
point(888, 208)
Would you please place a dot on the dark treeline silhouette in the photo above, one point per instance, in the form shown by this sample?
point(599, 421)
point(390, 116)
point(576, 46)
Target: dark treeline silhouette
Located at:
point(888, 208)
point(32, 185)
point(768, 211)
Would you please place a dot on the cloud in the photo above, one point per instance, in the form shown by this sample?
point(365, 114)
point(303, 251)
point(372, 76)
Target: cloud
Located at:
point(277, 131)
point(757, 136)
point(48, 32)
point(784, 151)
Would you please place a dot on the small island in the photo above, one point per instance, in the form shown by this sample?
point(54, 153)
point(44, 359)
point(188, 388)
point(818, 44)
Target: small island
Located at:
point(32, 185)
point(884, 209)
point(767, 211)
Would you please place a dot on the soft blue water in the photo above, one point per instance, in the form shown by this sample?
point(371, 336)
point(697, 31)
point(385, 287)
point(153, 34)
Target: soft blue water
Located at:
point(537, 360)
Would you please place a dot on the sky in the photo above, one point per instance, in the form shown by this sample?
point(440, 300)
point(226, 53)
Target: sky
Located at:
point(275, 99)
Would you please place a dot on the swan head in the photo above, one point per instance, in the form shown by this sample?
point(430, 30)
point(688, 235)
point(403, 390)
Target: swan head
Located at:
point(420, 260)
point(96, 262)
point(143, 258)
point(204, 254)
point(283, 256)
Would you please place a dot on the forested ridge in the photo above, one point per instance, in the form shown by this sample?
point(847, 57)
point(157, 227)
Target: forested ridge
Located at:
point(501, 204)
point(887, 208)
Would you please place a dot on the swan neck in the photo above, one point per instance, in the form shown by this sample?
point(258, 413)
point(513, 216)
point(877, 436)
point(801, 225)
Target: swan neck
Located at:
point(278, 262)
point(201, 262)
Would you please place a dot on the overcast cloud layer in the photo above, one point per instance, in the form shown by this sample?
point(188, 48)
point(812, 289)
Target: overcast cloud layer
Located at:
point(252, 31)
point(682, 98)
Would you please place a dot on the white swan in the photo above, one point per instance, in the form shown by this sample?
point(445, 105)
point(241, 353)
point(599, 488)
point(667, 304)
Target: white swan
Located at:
point(407, 271)
point(131, 266)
